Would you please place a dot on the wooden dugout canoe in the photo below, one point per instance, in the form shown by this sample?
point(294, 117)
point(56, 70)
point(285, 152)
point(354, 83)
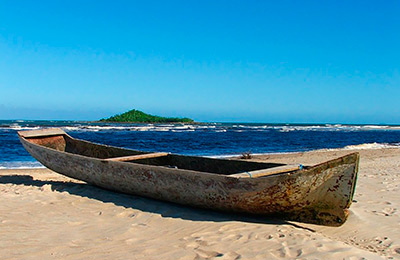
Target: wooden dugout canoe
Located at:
point(318, 194)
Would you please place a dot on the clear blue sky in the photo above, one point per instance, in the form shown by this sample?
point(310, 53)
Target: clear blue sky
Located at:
point(248, 61)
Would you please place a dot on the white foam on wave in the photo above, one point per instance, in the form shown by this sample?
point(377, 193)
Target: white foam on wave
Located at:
point(179, 131)
point(72, 128)
point(209, 127)
point(17, 127)
point(140, 128)
point(21, 165)
point(96, 128)
point(371, 146)
point(221, 131)
point(382, 127)
point(336, 127)
point(285, 129)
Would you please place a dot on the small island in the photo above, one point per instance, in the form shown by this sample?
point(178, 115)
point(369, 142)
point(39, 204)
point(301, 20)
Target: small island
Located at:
point(136, 116)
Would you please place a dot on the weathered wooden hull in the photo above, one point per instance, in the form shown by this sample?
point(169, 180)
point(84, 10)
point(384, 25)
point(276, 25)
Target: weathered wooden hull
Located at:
point(319, 194)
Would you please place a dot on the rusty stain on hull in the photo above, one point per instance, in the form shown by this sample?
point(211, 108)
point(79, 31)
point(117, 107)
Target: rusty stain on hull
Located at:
point(319, 194)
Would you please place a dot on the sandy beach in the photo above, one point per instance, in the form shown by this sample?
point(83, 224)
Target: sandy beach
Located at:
point(44, 215)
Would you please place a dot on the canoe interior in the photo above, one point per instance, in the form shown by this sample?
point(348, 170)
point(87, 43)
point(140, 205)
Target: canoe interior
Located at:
point(65, 143)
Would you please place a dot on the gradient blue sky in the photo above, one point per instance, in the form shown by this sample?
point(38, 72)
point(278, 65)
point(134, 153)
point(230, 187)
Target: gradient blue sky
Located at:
point(248, 61)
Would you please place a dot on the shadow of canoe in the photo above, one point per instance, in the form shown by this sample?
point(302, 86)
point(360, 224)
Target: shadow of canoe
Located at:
point(165, 209)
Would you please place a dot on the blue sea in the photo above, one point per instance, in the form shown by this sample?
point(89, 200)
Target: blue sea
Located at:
point(206, 139)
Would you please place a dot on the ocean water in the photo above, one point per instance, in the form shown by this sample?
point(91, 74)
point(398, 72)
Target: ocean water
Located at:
point(208, 139)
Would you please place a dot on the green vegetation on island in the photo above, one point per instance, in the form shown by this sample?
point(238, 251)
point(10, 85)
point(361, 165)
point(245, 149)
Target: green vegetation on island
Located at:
point(136, 116)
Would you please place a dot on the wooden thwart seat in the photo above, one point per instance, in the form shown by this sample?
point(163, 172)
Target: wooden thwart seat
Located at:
point(269, 171)
point(136, 157)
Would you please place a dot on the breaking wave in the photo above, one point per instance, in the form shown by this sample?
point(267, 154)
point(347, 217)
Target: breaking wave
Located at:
point(21, 165)
point(77, 126)
point(372, 146)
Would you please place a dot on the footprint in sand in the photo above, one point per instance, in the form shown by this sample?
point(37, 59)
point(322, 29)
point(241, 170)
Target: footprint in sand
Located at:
point(232, 237)
point(74, 223)
point(389, 211)
point(288, 252)
point(131, 241)
point(139, 225)
point(230, 255)
point(208, 254)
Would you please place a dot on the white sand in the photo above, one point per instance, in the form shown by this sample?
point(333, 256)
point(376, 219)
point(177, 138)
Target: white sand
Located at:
point(44, 215)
